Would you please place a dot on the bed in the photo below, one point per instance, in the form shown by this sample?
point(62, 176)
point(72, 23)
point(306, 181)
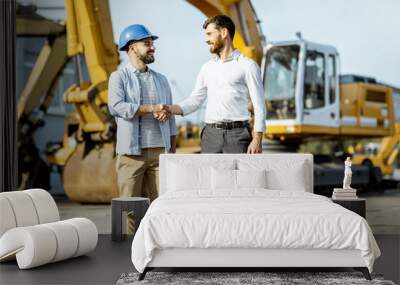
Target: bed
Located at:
point(239, 210)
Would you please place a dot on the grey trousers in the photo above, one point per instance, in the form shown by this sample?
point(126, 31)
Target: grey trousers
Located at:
point(215, 140)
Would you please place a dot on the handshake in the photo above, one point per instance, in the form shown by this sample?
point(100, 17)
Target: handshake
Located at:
point(162, 112)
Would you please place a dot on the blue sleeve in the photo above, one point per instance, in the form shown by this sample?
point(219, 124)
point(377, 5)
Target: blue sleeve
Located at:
point(117, 103)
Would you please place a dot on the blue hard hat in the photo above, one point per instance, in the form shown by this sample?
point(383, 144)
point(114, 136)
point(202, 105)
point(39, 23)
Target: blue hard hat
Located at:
point(135, 32)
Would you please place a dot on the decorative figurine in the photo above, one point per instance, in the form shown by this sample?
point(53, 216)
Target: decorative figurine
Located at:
point(347, 174)
point(345, 193)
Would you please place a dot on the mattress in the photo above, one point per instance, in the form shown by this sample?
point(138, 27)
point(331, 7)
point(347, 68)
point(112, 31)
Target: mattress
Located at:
point(250, 219)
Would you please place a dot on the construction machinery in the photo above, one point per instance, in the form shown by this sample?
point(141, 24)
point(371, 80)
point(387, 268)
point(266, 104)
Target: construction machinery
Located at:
point(307, 98)
point(35, 98)
point(384, 155)
point(303, 95)
point(85, 157)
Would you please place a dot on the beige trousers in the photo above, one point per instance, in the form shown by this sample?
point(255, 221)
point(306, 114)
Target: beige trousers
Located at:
point(137, 175)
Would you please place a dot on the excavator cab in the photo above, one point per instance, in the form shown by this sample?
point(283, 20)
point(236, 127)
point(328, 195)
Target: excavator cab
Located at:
point(301, 89)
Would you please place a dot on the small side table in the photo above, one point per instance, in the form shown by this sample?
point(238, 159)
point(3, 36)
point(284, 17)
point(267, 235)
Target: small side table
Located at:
point(138, 205)
point(356, 205)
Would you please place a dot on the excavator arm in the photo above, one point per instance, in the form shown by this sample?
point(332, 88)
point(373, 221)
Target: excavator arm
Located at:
point(89, 33)
point(38, 92)
point(49, 64)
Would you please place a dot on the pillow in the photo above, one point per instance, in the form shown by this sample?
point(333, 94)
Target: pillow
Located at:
point(281, 174)
point(280, 179)
point(183, 176)
point(236, 179)
point(223, 179)
point(251, 178)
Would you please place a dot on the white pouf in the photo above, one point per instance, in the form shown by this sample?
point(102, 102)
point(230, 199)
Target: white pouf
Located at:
point(31, 232)
point(7, 216)
point(23, 208)
point(45, 205)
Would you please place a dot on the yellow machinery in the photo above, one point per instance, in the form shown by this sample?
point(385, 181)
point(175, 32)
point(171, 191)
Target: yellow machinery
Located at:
point(87, 154)
point(37, 94)
point(387, 151)
point(303, 94)
point(385, 156)
point(306, 96)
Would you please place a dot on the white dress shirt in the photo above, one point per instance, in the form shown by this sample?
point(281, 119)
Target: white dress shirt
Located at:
point(228, 86)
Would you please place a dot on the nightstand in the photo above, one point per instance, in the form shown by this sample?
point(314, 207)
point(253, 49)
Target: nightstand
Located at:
point(120, 208)
point(355, 205)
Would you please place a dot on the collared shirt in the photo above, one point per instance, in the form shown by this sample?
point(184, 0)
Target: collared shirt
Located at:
point(149, 130)
point(229, 86)
point(124, 95)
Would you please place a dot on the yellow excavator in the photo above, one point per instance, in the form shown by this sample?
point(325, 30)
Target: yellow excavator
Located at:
point(38, 92)
point(385, 155)
point(304, 96)
point(307, 98)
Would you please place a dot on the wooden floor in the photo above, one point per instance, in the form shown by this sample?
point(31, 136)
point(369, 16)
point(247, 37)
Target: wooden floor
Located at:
point(110, 259)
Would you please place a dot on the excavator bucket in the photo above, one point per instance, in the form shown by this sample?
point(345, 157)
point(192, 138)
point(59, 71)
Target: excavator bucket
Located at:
point(91, 177)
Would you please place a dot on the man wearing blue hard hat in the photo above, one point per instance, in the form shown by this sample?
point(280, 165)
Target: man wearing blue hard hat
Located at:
point(137, 97)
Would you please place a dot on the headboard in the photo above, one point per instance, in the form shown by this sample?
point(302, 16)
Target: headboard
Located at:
point(288, 160)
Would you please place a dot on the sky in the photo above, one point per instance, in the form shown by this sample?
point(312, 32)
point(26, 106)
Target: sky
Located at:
point(366, 33)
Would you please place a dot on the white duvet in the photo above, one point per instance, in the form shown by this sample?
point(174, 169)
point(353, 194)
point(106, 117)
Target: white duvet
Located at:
point(250, 219)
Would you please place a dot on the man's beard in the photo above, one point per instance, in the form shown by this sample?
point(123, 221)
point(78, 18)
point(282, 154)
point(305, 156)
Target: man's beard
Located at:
point(147, 58)
point(216, 46)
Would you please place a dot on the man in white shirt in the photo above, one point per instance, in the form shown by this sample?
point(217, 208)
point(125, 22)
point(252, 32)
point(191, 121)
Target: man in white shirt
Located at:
point(228, 81)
